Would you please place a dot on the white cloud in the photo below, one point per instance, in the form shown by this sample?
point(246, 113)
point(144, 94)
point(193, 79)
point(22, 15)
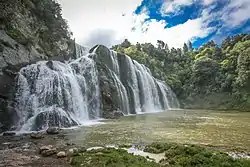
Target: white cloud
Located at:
point(174, 36)
point(109, 22)
point(86, 18)
point(208, 2)
point(174, 6)
point(236, 13)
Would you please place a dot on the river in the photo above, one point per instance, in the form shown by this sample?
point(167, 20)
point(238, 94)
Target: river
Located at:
point(229, 131)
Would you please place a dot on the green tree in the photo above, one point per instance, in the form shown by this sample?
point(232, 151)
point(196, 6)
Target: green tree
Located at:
point(185, 48)
point(125, 44)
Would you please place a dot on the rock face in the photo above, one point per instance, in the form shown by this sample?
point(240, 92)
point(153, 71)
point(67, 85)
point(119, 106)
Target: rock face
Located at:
point(101, 84)
point(128, 87)
point(22, 42)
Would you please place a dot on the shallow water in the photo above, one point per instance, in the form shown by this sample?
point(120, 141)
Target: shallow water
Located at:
point(229, 131)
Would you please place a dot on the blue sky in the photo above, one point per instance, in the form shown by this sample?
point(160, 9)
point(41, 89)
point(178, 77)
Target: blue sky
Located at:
point(183, 10)
point(175, 22)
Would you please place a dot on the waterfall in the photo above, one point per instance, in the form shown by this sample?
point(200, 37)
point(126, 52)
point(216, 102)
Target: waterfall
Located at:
point(57, 94)
point(52, 93)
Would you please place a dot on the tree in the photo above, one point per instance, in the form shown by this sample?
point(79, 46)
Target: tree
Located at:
point(125, 44)
point(210, 70)
point(138, 46)
point(190, 46)
point(185, 48)
point(204, 73)
point(160, 44)
point(166, 48)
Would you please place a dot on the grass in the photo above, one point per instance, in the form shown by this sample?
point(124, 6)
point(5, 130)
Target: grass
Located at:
point(110, 157)
point(180, 155)
point(176, 155)
point(125, 145)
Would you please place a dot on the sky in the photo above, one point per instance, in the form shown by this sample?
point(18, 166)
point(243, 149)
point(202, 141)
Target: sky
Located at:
point(175, 22)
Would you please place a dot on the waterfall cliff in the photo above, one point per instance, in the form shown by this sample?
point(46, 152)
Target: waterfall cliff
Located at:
point(98, 84)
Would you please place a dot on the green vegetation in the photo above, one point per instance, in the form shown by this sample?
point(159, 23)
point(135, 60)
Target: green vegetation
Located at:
point(19, 37)
point(110, 157)
point(178, 155)
point(212, 76)
point(36, 22)
point(125, 146)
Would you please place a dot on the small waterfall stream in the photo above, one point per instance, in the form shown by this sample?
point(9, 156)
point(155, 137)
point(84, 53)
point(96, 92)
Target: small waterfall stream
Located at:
point(52, 93)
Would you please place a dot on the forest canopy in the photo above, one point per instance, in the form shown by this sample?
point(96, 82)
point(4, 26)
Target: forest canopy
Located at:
point(211, 76)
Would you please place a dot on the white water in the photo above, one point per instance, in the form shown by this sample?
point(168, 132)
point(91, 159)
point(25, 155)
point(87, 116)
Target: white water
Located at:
point(62, 90)
point(68, 94)
point(122, 94)
point(133, 84)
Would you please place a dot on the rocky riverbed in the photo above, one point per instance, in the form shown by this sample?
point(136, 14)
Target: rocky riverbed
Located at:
point(216, 131)
point(24, 150)
point(44, 150)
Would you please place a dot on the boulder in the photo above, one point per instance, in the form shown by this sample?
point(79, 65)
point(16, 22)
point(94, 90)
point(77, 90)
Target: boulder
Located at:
point(53, 130)
point(37, 135)
point(73, 151)
point(50, 64)
point(112, 114)
point(117, 114)
point(61, 154)
point(47, 150)
point(9, 133)
point(47, 153)
point(82, 150)
point(55, 120)
point(43, 148)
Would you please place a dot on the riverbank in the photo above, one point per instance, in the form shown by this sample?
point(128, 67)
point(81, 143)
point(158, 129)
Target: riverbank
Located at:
point(226, 132)
point(24, 151)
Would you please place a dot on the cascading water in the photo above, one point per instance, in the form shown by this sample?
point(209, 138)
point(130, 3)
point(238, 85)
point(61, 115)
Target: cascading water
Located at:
point(57, 94)
point(52, 93)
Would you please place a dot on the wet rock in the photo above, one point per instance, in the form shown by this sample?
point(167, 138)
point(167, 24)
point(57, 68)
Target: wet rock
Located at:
point(50, 64)
point(47, 150)
point(61, 154)
point(69, 144)
point(52, 119)
point(43, 148)
point(82, 150)
point(9, 134)
point(26, 146)
point(13, 145)
point(47, 153)
point(53, 130)
point(73, 151)
point(113, 115)
point(117, 114)
point(95, 149)
point(36, 135)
